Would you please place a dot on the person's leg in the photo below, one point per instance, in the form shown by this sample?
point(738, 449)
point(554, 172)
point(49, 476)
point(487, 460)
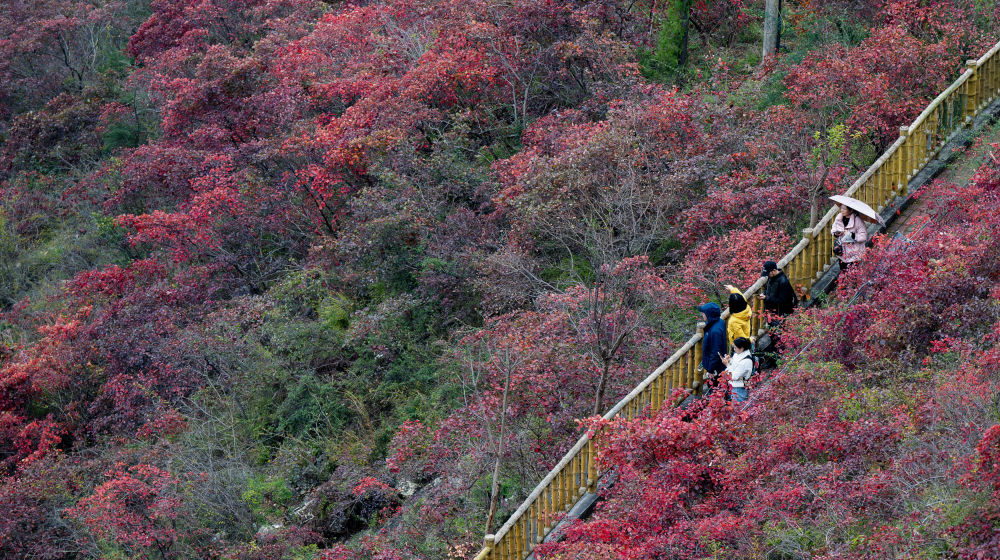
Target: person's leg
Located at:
point(741, 394)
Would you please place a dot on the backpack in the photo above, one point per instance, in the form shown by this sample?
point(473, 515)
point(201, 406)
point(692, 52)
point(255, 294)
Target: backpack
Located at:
point(755, 366)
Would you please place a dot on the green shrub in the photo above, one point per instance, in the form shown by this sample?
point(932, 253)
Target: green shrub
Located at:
point(267, 497)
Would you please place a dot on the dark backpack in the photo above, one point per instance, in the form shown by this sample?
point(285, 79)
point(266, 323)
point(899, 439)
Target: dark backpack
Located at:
point(756, 365)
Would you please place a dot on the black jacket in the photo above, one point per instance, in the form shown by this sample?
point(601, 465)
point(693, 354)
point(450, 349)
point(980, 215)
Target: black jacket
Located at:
point(779, 295)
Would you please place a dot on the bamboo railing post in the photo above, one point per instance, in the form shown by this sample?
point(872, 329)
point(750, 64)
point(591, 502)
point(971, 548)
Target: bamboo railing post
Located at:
point(591, 470)
point(681, 371)
point(973, 85)
point(993, 75)
point(925, 140)
point(523, 545)
point(894, 170)
point(904, 173)
point(488, 542)
point(696, 378)
point(535, 522)
point(935, 128)
point(561, 492)
point(757, 318)
point(970, 90)
point(809, 268)
point(879, 188)
point(989, 80)
point(567, 489)
point(684, 367)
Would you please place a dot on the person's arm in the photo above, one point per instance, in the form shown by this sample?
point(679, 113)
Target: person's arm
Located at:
point(860, 231)
point(837, 229)
point(766, 295)
point(771, 298)
point(788, 293)
point(731, 369)
point(735, 370)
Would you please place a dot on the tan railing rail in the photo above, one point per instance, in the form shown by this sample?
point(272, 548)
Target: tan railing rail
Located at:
point(888, 177)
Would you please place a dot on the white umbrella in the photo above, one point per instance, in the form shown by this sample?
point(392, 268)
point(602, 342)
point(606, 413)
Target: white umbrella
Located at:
point(866, 212)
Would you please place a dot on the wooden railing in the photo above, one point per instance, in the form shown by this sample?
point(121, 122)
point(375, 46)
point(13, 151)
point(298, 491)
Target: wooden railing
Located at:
point(888, 177)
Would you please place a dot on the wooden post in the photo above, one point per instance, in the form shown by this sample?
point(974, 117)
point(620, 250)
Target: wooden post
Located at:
point(546, 512)
point(578, 488)
point(911, 152)
point(488, 542)
point(972, 90)
point(697, 356)
point(523, 543)
point(683, 370)
point(883, 183)
point(536, 522)
point(989, 73)
point(563, 490)
point(809, 266)
point(569, 486)
point(591, 471)
point(819, 239)
point(904, 161)
point(935, 128)
point(681, 373)
point(993, 74)
point(894, 168)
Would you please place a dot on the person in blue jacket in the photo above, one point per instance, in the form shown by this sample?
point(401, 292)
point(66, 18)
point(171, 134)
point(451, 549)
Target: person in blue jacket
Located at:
point(713, 345)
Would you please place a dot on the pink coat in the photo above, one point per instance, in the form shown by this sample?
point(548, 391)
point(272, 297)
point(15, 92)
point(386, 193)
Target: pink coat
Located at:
point(853, 250)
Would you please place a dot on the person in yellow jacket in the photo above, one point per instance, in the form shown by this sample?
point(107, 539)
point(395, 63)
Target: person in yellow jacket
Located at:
point(739, 315)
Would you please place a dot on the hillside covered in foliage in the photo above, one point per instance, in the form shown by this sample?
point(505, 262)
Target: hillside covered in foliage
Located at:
point(304, 279)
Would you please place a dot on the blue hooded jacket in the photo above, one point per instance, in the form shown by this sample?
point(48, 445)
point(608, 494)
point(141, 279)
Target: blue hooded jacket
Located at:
point(714, 342)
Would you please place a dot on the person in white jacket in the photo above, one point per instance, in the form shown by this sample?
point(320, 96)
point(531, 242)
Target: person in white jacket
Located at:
point(739, 366)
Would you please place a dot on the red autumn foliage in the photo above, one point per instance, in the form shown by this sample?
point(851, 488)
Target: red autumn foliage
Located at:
point(733, 259)
point(134, 507)
point(502, 166)
point(817, 450)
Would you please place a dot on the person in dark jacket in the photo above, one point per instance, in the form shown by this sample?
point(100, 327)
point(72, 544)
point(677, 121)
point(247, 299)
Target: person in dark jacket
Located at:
point(778, 296)
point(714, 343)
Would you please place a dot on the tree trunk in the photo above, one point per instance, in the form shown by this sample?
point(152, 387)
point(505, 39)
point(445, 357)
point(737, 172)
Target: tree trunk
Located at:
point(684, 17)
point(781, 27)
point(772, 25)
point(671, 51)
point(495, 487)
point(814, 198)
point(601, 386)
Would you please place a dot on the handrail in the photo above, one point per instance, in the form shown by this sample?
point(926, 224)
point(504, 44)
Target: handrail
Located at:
point(887, 177)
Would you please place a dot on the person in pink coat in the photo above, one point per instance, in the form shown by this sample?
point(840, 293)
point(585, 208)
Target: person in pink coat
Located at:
point(851, 234)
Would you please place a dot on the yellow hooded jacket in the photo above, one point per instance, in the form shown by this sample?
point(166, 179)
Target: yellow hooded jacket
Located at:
point(739, 323)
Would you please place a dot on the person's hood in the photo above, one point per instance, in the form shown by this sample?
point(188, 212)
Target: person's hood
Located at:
point(712, 311)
